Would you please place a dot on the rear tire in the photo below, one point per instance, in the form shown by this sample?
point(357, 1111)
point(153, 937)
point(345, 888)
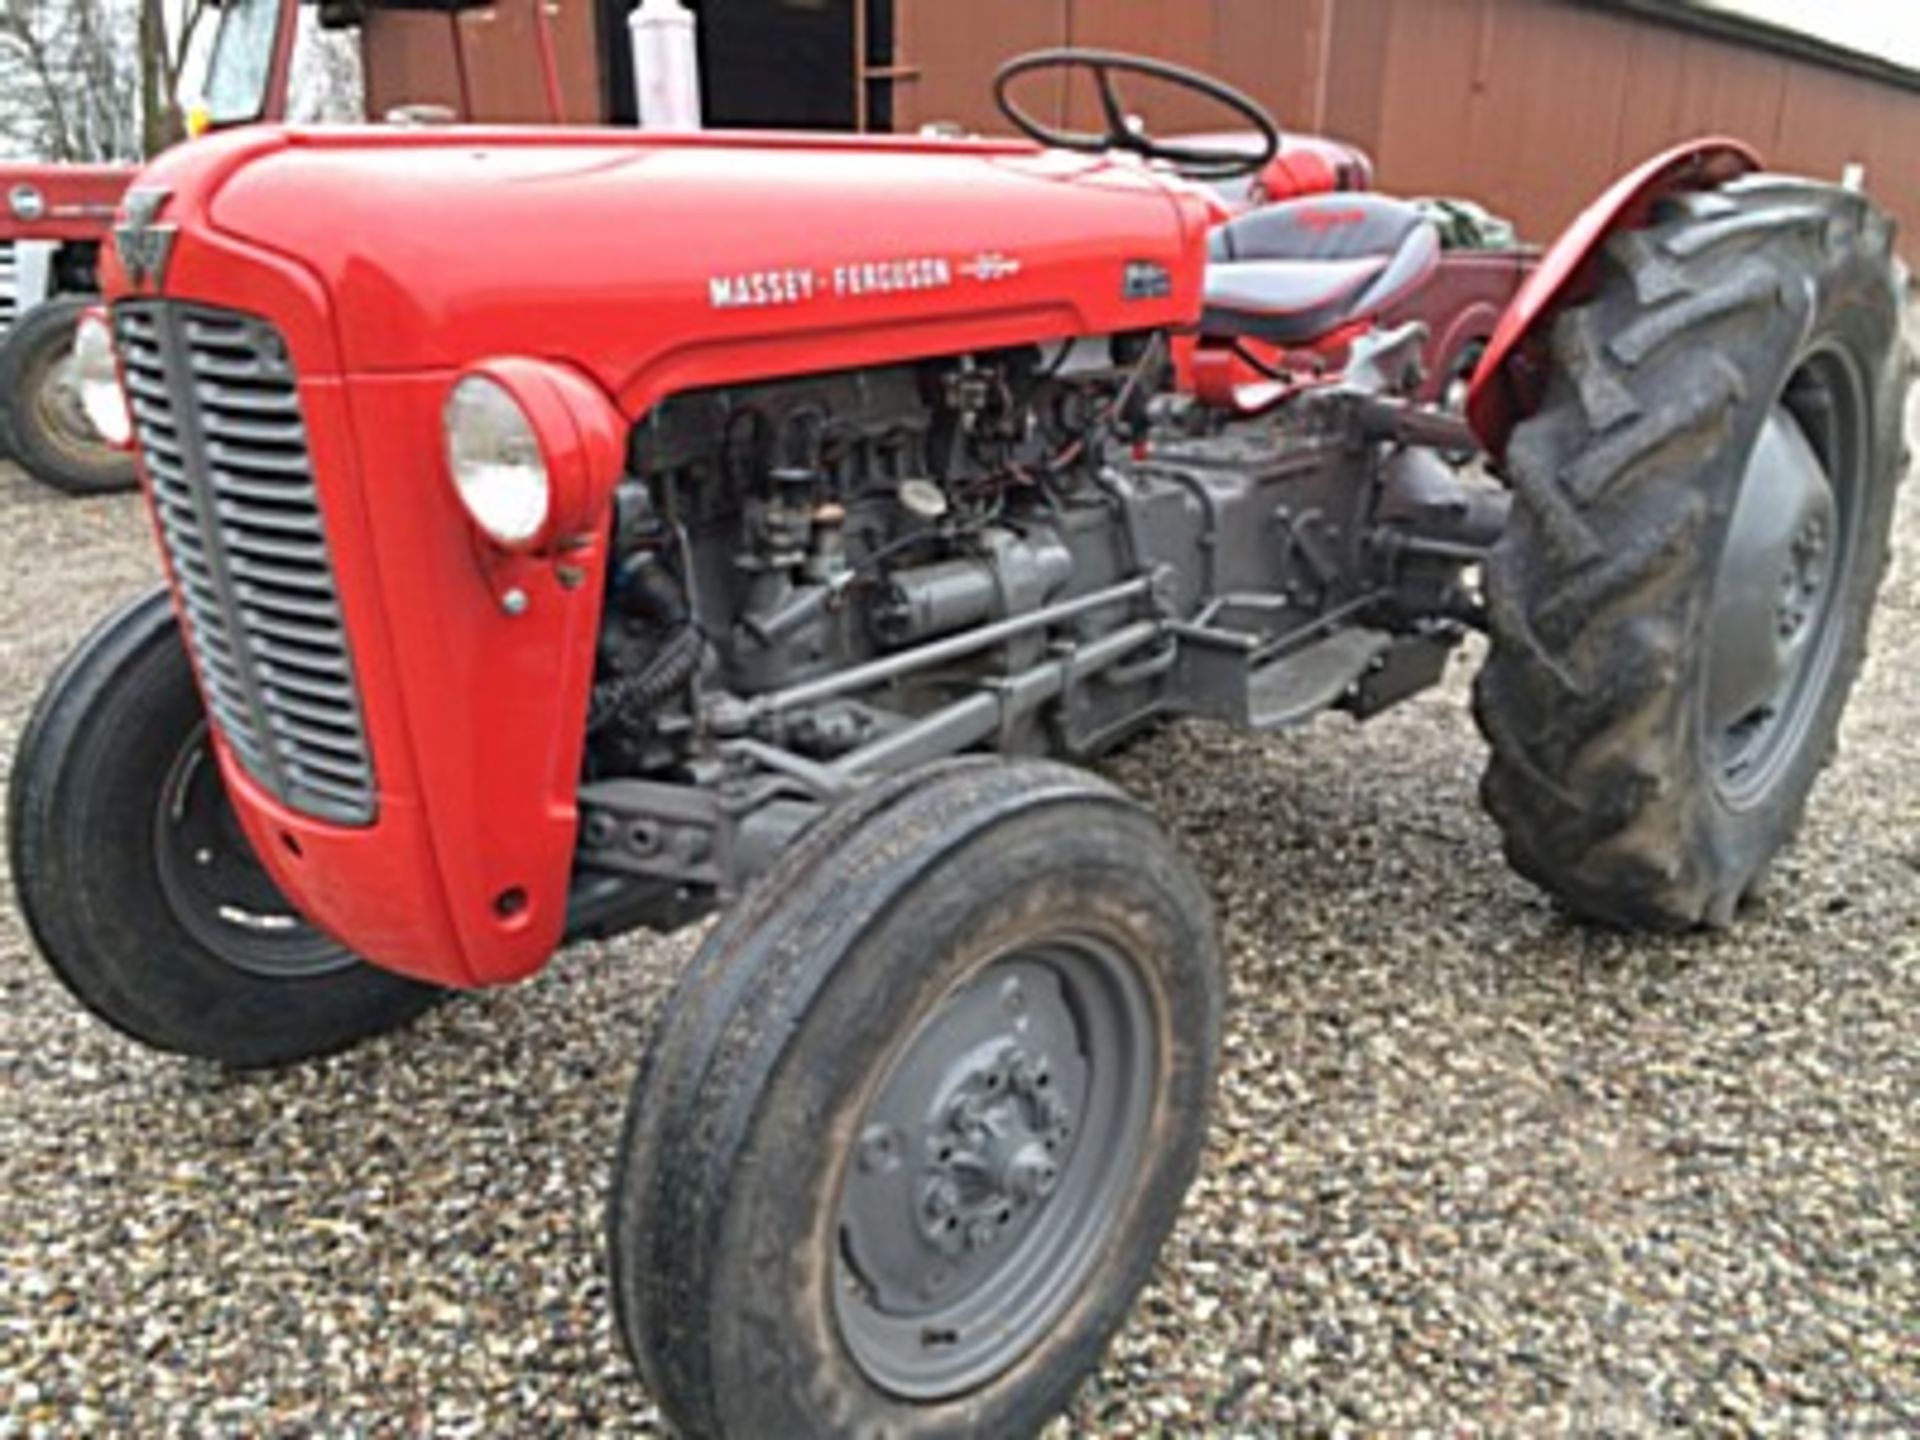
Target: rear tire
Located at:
point(45, 430)
point(781, 1262)
point(1657, 715)
point(139, 887)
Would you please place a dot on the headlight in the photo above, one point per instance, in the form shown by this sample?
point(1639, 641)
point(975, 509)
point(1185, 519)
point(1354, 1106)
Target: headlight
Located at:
point(497, 464)
point(27, 203)
point(96, 378)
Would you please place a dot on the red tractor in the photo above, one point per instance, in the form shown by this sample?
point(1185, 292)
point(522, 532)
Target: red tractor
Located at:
point(573, 532)
point(51, 229)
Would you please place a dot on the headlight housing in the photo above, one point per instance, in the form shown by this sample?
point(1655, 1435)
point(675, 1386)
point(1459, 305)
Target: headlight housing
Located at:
point(535, 450)
point(96, 379)
point(496, 460)
point(27, 202)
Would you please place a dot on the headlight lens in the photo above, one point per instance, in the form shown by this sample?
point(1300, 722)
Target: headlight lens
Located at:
point(496, 461)
point(96, 378)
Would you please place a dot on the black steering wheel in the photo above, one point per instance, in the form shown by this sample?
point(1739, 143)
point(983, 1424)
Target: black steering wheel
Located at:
point(1198, 162)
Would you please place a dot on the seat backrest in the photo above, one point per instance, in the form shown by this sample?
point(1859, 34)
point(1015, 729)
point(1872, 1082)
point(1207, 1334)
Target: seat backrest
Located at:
point(1325, 227)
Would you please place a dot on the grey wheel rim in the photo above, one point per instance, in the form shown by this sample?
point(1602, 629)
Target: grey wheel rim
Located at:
point(62, 419)
point(215, 887)
point(992, 1164)
point(1774, 635)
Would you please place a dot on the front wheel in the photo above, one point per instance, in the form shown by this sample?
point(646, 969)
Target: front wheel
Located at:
point(1705, 503)
point(920, 1115)
point(47, 431)
point(139, 886)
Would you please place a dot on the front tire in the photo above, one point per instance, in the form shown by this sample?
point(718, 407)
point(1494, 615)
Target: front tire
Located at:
point(47, 433)
point(920, 1115)
point(1681, 603)
point(138, 885)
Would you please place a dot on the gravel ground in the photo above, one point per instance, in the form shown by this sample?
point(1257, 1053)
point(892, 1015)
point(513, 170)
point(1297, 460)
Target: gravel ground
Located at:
point(1475, 1169)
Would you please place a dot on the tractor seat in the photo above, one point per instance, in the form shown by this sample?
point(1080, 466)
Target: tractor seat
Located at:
point(1294, 272)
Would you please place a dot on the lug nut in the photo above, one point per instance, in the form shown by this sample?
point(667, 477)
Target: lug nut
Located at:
point(940, 1199)
point(879, 1149)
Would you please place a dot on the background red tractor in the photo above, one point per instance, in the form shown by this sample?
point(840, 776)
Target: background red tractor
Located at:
point(57, 217)
point(561, 539)
point(52, 224)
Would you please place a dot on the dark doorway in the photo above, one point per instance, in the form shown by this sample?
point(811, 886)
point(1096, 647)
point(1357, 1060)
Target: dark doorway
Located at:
point(778, 64)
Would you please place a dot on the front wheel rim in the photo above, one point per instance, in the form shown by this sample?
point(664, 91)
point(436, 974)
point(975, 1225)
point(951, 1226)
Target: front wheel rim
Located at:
point(218, 890)
point(992, 1165)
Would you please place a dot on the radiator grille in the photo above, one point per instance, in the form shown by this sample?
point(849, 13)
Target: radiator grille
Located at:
point(9, 287)
point(220, 429)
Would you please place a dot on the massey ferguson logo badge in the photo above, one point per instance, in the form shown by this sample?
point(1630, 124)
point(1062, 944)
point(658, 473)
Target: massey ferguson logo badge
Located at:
point(759, 289)
point(143, 246)
point(991, 266)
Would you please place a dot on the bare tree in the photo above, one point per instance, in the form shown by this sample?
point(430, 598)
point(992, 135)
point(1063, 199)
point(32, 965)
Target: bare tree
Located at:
point(93, 79)
point(163, 55)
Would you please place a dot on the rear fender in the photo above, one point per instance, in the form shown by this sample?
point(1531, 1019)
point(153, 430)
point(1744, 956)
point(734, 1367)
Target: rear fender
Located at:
point(1510, 382)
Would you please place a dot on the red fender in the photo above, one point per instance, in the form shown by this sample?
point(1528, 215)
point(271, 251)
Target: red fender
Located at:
point(1508, 386)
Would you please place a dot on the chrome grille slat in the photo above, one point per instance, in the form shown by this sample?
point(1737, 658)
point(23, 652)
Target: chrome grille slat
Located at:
point(225, 444)
point(9, 287)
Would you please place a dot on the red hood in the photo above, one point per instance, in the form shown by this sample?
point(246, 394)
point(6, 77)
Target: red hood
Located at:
point(78, 201)
point(657, 263)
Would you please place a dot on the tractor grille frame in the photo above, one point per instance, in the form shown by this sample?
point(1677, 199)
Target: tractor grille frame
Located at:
point(223, 437)
point(9, 287)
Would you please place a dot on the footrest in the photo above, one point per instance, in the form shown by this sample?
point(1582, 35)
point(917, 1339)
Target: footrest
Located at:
point(1219, 679)
point(1299, 686)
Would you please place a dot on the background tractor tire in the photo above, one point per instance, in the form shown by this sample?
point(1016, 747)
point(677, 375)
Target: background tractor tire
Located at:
point(1741, 359)
point(45, 430)
point(138, 885)
point(803, 1239)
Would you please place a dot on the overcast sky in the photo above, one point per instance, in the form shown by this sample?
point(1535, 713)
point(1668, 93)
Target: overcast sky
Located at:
point(1889, 29)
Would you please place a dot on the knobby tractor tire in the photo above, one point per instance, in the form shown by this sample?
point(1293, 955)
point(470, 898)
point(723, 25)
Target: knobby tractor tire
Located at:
point(43, 430)
point(1772, 298)
point(767, 1184)
point(130, 870)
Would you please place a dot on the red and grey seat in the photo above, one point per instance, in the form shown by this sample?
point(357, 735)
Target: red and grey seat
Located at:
point(1292, 273)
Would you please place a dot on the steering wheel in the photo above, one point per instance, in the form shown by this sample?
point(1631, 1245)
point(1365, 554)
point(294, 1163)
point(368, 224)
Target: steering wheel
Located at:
point(1198, 162)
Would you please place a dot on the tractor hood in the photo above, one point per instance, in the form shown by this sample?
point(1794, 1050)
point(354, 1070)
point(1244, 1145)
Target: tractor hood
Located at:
point(656, 264)
point(59, 202)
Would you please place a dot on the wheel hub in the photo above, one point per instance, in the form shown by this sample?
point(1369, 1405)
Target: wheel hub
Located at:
point(992, 1155)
